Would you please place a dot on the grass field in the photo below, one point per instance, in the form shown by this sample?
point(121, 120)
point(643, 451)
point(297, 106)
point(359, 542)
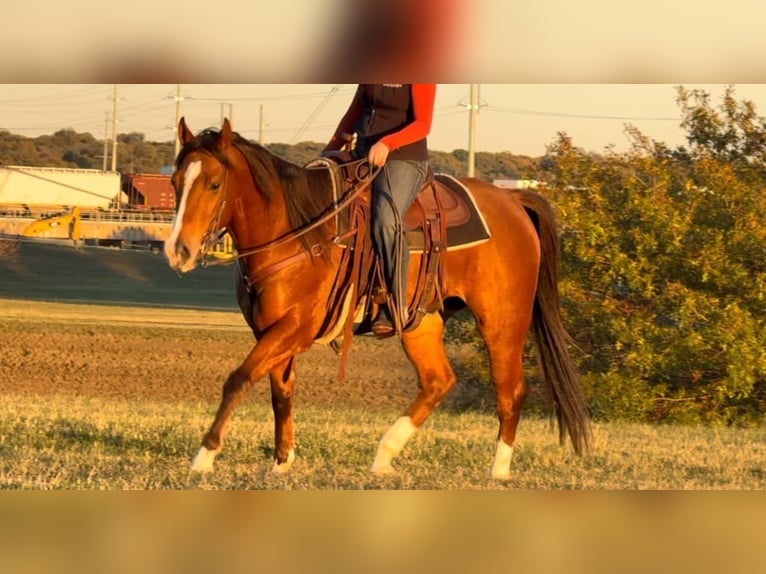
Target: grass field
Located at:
point(111, 369)
point(56, 442)
point(51, 272)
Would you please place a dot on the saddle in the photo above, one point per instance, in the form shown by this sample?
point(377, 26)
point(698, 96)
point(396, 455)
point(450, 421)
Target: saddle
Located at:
point(442, 206)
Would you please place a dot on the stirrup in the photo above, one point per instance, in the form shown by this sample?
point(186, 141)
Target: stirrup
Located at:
point(382, 328)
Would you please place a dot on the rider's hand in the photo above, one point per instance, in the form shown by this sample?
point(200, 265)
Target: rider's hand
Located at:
point(378, 154)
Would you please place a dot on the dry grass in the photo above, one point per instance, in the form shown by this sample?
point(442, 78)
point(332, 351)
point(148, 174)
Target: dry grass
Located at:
point(66, 442)
point(107, 396)
point(9, 248)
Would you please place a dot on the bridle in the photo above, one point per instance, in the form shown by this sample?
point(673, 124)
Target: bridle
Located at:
point(214, 233)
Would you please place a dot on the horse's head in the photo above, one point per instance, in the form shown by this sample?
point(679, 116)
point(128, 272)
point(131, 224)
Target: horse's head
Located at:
point(199, 180)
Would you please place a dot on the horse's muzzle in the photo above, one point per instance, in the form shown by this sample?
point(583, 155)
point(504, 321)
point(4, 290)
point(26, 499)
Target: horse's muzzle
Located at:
point(179, 256)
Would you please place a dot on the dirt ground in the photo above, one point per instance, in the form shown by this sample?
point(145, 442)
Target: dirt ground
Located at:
point(182, 354)
point(101, 322)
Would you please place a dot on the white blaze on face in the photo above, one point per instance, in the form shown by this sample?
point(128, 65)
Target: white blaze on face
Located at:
point(192, 172)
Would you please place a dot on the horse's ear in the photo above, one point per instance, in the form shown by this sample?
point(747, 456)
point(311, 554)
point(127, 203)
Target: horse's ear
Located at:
point(185, 135)
point(226, 135)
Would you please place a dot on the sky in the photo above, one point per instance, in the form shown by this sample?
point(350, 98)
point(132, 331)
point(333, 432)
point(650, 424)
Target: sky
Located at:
point(518, 118)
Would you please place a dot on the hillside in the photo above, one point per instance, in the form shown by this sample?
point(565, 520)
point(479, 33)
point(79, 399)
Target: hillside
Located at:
point(70, 149)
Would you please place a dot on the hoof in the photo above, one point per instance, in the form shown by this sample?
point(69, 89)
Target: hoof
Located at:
point(501, 475)
point(203, 462)
point(282, 468)
point(391, 445)
point(382, 469)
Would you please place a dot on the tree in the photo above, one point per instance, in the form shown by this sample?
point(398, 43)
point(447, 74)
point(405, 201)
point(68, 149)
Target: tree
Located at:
point(132, 138)
point(299, 154)
point(664, 262)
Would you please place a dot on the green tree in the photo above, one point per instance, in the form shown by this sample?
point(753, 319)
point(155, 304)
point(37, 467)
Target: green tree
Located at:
point(299, 154)
point(664, 260)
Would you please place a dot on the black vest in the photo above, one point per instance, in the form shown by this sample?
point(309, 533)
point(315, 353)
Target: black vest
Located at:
point(387, 109)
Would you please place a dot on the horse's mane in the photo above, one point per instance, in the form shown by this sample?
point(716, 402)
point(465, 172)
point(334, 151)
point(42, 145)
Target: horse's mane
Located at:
point(307, 193)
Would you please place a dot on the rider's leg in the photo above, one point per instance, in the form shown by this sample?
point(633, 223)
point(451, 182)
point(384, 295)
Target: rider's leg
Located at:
point(394, 190)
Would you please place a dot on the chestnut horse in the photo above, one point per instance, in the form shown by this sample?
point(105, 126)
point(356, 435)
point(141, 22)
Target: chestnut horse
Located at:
point(509, 283)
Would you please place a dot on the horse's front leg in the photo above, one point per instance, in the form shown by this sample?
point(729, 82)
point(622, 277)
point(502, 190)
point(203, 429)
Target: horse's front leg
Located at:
point(275, 347)
point(282, 386)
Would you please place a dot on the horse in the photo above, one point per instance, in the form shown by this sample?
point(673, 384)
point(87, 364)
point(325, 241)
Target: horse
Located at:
point(276, 213)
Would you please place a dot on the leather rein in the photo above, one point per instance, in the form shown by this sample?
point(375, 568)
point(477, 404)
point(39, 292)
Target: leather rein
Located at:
point(214, 234)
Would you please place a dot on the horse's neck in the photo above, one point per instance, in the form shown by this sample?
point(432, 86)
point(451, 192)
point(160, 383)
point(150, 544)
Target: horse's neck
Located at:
point(257, 220)
point(254, 220)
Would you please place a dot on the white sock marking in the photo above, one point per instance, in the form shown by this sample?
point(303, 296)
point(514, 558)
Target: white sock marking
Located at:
point(285, 466)
point(501, 468)
point(192, 172)
point(392, 444)
point(203, 462)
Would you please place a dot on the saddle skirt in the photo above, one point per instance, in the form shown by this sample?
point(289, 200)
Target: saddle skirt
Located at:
point(455, 205)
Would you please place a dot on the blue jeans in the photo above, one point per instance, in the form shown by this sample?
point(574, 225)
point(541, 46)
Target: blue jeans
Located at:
point(393, 191)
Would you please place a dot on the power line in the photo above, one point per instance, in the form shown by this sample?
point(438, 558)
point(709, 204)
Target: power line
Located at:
point(82, 109)
point(131, 113)
point(294, 96)
point(91, 89)
point(520, 111)
point(145, 105)
point(315, 113)
point(450, 110)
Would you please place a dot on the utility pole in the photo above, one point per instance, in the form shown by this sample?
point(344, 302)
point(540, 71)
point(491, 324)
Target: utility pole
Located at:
point(179, 98)
point(260, 124)
point(115, 121)
point(106, 141)
point(472, 117)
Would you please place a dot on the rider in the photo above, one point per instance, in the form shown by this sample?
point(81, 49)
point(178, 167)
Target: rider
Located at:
point(391, 122)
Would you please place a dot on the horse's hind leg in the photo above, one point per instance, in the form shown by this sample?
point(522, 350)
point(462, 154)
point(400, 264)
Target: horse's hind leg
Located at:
point(425, 348)
point(282, 386)
point(506, 352)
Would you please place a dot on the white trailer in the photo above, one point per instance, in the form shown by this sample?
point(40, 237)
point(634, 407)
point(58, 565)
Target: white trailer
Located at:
point(54, 186)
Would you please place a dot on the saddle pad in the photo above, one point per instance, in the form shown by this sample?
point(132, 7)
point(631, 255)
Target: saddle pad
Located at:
point(465, 223)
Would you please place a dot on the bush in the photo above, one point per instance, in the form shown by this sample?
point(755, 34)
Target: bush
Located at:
point(664, 253)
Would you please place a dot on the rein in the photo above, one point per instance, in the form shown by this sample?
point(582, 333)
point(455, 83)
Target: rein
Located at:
point(213, 237)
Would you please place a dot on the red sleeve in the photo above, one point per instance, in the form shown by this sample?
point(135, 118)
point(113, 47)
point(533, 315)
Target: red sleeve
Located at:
point(348, 122)
point(423, 96)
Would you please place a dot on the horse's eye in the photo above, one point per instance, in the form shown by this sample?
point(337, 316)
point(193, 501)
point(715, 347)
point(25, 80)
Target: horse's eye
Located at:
point(215, 186)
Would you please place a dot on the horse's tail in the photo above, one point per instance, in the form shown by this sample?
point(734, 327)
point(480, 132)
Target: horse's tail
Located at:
point(559, 371)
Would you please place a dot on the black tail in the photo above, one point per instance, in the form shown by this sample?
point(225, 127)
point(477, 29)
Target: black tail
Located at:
point(559, 370)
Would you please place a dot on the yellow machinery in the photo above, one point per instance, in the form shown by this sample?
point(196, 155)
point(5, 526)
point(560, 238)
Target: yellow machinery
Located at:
point(113, 229)
point(60, 226)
